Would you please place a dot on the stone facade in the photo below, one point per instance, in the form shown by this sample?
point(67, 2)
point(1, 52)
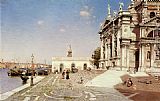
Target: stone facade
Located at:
point(61, 63)
point(131, 38)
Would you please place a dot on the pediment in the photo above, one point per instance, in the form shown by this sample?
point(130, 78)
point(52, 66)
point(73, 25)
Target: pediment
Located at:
point(151, 22)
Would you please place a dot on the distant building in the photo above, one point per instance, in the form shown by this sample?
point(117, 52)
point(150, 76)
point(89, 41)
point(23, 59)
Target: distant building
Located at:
point(61, 63)
point(131, 38)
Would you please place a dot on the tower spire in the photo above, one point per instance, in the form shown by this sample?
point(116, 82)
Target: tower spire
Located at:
point(158, 9)
point(121, 6)
point(109, 11)
point(69, 52)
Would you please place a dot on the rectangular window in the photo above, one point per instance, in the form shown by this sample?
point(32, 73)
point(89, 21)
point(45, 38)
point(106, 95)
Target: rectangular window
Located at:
point(157, 52)
point(148, 55)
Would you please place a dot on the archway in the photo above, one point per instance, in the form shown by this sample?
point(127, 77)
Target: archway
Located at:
point(61, 67)
point(73, 65)
point(136, 60)
point(152, 14)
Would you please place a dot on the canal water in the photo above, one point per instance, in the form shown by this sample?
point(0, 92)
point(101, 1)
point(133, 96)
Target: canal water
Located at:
point(8, 83)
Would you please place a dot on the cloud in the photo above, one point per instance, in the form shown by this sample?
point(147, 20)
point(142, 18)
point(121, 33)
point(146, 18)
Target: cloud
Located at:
point(84, 13)
point(62, 30)
point(40, 22)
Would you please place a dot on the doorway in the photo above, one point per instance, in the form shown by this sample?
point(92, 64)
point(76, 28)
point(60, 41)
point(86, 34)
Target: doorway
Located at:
point(136, 60)
point(61, 67)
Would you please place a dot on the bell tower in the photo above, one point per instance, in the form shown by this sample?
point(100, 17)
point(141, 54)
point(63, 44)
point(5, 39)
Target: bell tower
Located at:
point(69, 52)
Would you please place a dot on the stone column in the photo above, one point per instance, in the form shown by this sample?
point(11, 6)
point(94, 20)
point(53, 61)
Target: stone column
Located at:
point(102, 43)
point(109, 53)
point(141, 58)
point(113, 55)
point(102, 63)
point(118, 48)
point(152, 59)
point(127, 57)
point(123, 58)
point(106, 52)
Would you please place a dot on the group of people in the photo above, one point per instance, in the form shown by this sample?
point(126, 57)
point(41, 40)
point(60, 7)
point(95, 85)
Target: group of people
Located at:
point(65, 74)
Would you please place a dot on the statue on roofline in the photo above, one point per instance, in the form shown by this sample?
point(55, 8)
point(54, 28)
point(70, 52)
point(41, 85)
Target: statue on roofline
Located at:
point(121, 6)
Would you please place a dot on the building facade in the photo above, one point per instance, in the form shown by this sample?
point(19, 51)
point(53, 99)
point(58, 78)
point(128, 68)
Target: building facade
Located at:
point(131, 38)
point(61, 63)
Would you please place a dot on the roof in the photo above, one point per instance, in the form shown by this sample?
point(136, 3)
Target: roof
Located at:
point(71, 58)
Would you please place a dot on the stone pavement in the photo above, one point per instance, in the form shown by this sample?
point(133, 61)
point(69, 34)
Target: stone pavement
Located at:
point(138, 74)
point(111, 77)
point(107, 79)
point(54, 88)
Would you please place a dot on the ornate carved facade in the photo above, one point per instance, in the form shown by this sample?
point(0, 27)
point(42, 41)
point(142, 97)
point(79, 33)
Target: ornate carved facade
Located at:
point(131, 39)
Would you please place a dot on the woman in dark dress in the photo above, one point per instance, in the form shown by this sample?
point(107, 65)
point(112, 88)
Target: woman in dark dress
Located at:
point(67, 74)
point(63, 74)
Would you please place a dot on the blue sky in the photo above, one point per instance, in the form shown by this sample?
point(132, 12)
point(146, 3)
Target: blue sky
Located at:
point(46, 27)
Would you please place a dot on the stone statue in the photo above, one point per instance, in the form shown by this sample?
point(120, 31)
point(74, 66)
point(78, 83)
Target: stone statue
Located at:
point(69, 52)
point(109, 9)
point(114, 13)
point(121, 6)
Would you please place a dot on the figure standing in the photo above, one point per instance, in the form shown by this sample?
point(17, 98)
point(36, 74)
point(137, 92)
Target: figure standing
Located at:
point(67, 74)
point(129, 82)
point(63, 74)
point(81, 80)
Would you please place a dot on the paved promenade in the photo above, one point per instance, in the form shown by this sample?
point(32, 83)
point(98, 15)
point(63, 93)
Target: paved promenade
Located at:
point(54, 88)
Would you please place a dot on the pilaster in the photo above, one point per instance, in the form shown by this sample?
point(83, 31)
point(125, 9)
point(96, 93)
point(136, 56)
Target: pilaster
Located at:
point(106, 53)
point(125, 53)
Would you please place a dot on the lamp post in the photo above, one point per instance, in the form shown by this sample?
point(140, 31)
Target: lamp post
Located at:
point(32, 73)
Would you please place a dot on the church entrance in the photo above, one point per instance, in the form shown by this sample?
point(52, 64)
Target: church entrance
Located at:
point(136, 60)
point(61, 67)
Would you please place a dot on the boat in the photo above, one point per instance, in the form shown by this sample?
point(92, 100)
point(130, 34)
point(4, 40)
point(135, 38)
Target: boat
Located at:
point(14, 72)
point(43, 71)
point(18, 71)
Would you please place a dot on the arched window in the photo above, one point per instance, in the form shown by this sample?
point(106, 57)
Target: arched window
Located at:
point(72, 65)
point(152, 14)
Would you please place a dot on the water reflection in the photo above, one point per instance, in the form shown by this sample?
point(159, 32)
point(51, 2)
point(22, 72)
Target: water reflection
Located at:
point(8, 83)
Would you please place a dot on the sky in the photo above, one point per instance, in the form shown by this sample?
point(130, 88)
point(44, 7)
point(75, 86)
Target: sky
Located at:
point(46, 28)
